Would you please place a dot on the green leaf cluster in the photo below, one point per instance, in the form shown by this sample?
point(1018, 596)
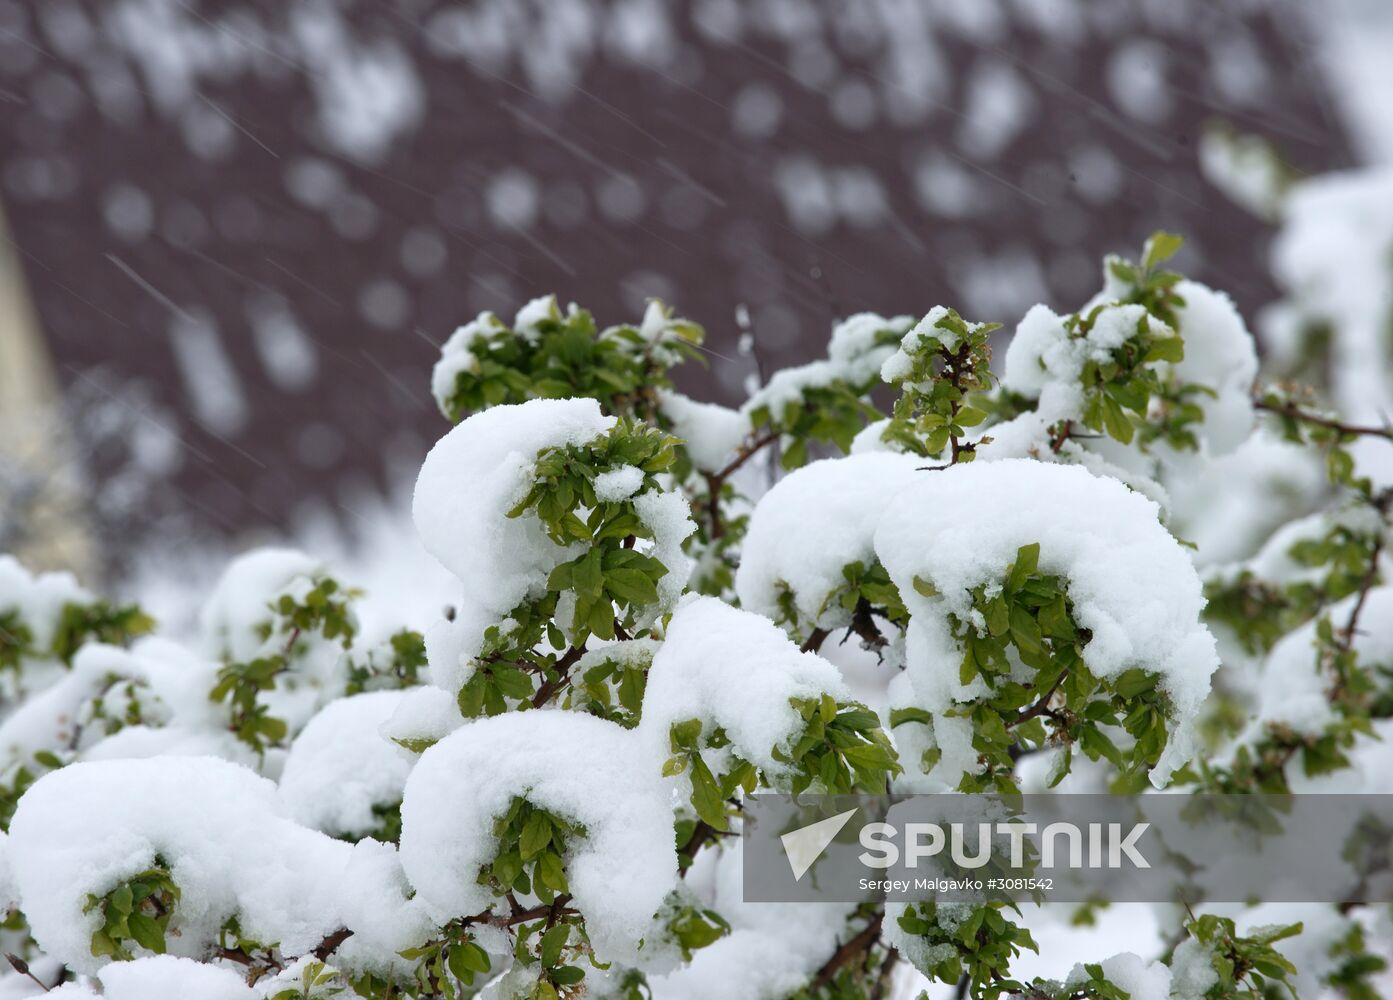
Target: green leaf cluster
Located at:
point(613, 688)
point(135, 912)
point(531, 855)
point(1247, 966)
point(979, 947)
point(445, 966)
point(709, 790)
point(841, 749)
point(1029, 619)
point(400, 664)
point(612, 582)
point(567, 356)
point(946, 369)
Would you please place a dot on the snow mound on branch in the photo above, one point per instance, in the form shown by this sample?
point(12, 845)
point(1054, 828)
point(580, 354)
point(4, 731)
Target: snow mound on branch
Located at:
point(457, 356)
point(668, 515)
point(1219, 355)
point(772, 951)
point(427, 713)
point(1140, 979)
point(1132, 584)
point(38, 598)
point(853, 356)
point(580, 768)
point(1294, 690)
point(164, 977)
point(836, 502)
point(1045, 362)
point(478, 472)
point(1230, 506)
point(339, 767)
point(1043, 354)
point(542, 308)
point(241, 599)
point(167, 683)
point(710, 431)
point(737, 670)
point(1331, 257)
point(471, 479)
point(90, 826)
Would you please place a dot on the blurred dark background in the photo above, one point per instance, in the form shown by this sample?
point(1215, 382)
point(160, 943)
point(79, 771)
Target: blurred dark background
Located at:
point(245, 227)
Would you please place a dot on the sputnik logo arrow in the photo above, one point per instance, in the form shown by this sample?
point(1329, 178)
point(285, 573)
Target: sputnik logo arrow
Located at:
point(806, 844)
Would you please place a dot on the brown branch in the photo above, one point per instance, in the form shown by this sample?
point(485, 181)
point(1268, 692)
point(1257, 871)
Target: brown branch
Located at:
point(517, 915)
point(886, 976)
point(1041, 707)
point(747, 451)
point(713, 489)
point(863, 627)
point(715, 481)
point(330, 943)
point(1058, 437)
point(1346, 638)
point(550, 688)
point(1294, 412)
point(853, 949)
point(815, 640)
point(701, 833)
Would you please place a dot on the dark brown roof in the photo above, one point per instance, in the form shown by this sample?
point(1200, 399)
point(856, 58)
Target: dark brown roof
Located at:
point(247, 225)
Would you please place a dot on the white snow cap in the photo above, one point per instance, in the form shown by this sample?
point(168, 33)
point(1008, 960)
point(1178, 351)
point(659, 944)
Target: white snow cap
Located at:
point(38, 598)
point(710, 431)
point(340, 766)
point(543, 307)
point(88, 827)
point(478, 472)
point(1132, 584)
point(580, 768)
point(737, 670)
point(1044, 362)
point(812, 523)
point(1220, 355)
point(1139, 978)
point(1294, 691)
point(240, 600)
point(164, 977)
point(852, 356)
point(458, 356)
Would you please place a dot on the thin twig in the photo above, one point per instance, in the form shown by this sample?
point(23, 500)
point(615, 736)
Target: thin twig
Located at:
point(1041, 707)
point(1291, 410)
point(550, 688)
point(848, 952)
point(22, 967)
point(815, 640)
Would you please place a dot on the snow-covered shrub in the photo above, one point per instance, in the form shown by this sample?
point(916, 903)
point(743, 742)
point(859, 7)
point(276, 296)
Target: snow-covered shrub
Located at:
point(990, 587)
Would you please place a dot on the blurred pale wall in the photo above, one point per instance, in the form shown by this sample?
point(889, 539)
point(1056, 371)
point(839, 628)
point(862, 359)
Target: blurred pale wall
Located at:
point(37, 472)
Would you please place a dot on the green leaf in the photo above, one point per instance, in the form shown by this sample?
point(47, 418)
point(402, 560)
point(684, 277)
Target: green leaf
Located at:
point(550, 871)
point(1160, 247)
point(567, 975)
point(706, 795)
point(1115, 421)
point(1025, 566)
point(146, 932)
point(899, 716)
point(631, 586)
point(536, 835)
point(552, 943)
point(684, 735)
point(1170, 349)
point(1134, 682)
